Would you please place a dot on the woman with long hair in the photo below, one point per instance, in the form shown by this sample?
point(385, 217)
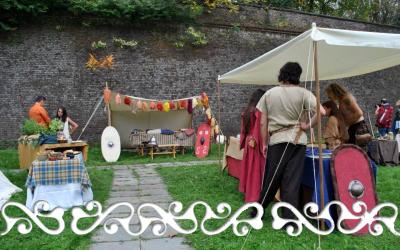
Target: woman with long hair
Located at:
point(69, 125)
point(335, 131)
point(252, 168)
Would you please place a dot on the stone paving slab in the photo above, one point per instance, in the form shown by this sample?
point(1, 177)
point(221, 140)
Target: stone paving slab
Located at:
point(154, 192)
point(165, 244)
point(151, 211)
point(155, 200)
point(149, 165)
point(143, 169)
point(134, 220)
point(125, 188)
point(124, 193)
point(131, 199)
point(117, 183)
point(131, 245)
point(125, 181)
point(145, 172)
point(138, 185)
point(150, 181)
point(123, 172)
point(120, 235)
point(148, 233)
point(152, 186)
point(119, 167)
point(124, 178)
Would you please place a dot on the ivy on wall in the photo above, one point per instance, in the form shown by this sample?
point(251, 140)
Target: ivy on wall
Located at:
point(15, 12)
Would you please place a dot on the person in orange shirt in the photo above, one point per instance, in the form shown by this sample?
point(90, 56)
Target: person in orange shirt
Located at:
point(38, 113)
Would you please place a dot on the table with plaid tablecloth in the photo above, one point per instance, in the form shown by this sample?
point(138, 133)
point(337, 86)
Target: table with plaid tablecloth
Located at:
point(63, 183)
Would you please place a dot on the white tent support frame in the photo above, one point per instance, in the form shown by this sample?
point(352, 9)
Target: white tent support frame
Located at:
point(219, 121)
point(108, 110)
point(344, 53)
point(319, 131)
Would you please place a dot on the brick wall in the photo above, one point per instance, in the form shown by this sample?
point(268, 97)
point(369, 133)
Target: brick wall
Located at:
point(49, 58)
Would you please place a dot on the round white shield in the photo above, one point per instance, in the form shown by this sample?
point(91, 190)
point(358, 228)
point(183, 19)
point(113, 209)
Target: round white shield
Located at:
point(110, 144)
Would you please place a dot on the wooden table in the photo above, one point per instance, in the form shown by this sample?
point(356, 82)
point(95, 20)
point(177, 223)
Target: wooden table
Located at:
point(28, 153)
point(384, 152)
point(170, 149)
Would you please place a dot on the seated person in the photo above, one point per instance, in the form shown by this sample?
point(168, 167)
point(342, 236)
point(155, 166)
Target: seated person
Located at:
point(335, 131)
point(38, 112)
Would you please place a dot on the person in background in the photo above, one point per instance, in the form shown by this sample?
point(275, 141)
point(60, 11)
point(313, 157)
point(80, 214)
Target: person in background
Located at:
point(39, 113)
point(335, 130)
point(281, 109)
point(69, 126)
point(384, 114)
point(352, 114)
point(253, 162)
point(396, 120)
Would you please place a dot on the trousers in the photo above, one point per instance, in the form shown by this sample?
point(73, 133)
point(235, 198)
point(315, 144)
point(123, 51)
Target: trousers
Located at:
point(288, 165)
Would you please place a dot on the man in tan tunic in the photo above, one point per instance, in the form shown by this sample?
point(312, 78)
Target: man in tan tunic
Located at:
point(281, 108)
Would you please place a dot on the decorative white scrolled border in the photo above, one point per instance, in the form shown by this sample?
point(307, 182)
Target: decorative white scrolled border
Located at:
point(371, 218)
point(170, 218)
point(158, 224)
point(24, 225)
point(174, 214)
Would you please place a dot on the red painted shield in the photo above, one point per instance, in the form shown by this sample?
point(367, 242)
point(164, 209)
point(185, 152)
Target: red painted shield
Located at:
point(203, 140)
point(353, 180)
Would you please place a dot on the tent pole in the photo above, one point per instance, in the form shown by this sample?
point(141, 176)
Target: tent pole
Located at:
point(219, 122)
point(108, 110)
point(370, 124)
point(109, 114)
point(319, 128)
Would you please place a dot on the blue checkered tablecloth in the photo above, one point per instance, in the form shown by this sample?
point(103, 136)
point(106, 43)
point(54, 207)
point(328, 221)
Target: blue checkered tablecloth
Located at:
point(58, 173)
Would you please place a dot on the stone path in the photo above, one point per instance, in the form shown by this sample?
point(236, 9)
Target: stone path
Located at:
point(138, 184)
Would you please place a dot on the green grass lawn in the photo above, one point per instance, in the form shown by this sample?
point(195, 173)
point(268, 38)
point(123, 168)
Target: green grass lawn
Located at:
point(206, 183)
point(9, 157)
point(128, 157)
point(37, 239)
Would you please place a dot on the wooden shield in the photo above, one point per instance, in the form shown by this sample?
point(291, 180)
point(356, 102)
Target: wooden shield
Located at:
point(110, 144)
point(203, 140)
point(353, 180)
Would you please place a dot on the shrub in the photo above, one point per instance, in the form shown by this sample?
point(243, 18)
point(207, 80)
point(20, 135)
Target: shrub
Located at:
point(123, 43)
point(54, 126)
point(31, 127)
point(99, 45)
point(193, 37)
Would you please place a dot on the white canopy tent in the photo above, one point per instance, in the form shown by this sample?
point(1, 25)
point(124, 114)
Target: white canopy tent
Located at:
point(341, 53)
point(324, 54)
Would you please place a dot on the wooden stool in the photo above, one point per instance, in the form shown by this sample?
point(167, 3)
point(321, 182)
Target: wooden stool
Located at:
point(143, 147)
point(171, 149)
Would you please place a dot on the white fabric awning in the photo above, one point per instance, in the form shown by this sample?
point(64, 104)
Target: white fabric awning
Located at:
point(341, 53)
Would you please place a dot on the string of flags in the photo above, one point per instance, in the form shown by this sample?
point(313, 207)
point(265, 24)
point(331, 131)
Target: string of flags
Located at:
point(138, 104)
